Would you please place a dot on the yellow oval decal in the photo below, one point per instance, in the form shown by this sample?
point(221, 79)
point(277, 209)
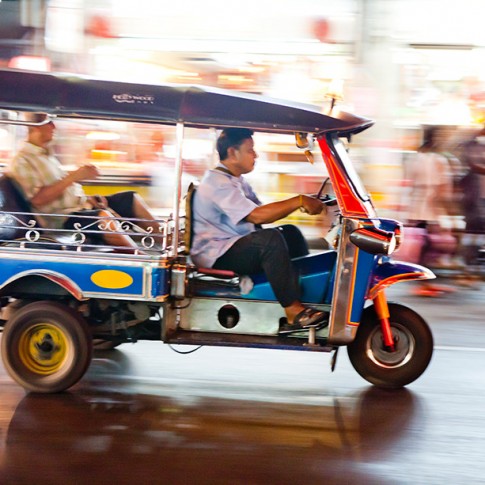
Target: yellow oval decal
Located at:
point(112, 279)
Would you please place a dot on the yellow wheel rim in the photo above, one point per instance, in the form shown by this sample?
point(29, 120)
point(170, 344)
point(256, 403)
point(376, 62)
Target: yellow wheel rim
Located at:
point(43, 348)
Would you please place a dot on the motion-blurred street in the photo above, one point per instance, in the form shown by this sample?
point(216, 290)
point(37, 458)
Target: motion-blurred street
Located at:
point(146, 414)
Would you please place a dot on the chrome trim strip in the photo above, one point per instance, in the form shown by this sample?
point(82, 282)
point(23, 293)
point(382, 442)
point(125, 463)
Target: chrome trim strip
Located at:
point(46, 273)
point(79, 257)
point(340, 332)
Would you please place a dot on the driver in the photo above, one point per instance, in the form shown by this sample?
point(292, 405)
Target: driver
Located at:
point(227, 232)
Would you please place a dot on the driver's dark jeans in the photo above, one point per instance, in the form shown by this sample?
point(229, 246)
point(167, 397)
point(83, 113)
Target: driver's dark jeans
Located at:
point(270, 251)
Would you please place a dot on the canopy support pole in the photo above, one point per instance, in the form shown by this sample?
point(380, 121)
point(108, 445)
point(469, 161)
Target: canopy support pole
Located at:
point(178, 188)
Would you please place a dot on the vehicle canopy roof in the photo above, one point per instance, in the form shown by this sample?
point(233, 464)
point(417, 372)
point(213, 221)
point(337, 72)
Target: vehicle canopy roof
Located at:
point(195, 106)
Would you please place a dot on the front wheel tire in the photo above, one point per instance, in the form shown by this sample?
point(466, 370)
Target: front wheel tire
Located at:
point(387, 369)
point(46, 347)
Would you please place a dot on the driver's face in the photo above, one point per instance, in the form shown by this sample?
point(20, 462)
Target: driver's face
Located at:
point(245, 156)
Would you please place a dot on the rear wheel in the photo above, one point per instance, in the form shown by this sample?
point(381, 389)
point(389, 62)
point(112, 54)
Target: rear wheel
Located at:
point(46, 347)
point(387, 369)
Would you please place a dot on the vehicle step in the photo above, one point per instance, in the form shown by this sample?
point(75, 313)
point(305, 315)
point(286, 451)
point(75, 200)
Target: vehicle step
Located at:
point(257, 341)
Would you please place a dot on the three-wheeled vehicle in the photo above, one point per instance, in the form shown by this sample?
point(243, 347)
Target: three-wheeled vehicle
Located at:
point(60, 292)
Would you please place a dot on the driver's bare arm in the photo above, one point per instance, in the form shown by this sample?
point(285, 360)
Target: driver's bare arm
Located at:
point(274, 211)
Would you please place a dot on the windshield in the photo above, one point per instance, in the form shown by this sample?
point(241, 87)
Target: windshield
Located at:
point(351, 172)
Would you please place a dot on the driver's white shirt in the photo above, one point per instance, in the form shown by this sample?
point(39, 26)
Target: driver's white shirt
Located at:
point(220, 205)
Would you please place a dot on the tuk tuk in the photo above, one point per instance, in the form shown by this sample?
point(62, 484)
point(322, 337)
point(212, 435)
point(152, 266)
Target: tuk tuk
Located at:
point(60, 293)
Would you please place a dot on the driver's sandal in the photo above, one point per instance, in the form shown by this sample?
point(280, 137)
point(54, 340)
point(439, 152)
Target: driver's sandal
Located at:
point(308, 318)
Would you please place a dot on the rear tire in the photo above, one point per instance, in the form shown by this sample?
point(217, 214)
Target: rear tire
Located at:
point(413, 348)
point(46, 347)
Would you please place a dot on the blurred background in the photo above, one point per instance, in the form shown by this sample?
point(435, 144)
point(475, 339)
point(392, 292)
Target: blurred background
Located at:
point(407, 64)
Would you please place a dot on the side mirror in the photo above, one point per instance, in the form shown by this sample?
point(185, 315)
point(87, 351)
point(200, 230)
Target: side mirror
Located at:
point(374, 241)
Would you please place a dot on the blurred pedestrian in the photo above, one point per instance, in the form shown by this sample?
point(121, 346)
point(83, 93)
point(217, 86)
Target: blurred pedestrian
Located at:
point(431, 196)
point(473, 197)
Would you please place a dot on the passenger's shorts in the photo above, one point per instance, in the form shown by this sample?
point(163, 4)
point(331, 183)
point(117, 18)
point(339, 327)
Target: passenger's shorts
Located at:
point(120, 203)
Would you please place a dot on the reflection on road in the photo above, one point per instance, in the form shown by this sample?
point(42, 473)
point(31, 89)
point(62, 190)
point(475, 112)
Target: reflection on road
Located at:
point(144, 414)
point(121, 438)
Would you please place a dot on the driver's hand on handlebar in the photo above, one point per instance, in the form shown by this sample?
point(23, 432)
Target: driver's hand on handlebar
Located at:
point(312, 206)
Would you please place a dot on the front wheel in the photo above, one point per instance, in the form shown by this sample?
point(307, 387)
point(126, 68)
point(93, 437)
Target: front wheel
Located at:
point(46, 347)
point(387, 369)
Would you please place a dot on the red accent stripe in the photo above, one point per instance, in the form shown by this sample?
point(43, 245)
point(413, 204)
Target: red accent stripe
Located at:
point(395, 279)
point(349, 203)
point(217, 273)
point(374, 234)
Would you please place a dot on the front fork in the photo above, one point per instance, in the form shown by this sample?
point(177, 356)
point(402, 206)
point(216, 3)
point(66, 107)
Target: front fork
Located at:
point(382, 310)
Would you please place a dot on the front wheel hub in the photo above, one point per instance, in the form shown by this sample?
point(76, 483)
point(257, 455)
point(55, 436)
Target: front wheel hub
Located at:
point(404, 346)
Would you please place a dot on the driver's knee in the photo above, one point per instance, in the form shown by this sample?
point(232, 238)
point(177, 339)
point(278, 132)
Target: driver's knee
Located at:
point(270, 239)
point(296, 242)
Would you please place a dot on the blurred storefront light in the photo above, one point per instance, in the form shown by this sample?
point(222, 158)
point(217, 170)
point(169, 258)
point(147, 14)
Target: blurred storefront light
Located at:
point(30, 63)
point(102, 136)
point(234, 46)
point(193, 149)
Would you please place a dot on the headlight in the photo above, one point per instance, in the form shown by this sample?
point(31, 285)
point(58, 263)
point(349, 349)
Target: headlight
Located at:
point(374, 241)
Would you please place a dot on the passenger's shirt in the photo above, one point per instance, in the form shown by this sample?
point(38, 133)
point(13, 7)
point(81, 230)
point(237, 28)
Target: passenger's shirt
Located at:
point(431, 178)
point(220, 205)
point(35, 167)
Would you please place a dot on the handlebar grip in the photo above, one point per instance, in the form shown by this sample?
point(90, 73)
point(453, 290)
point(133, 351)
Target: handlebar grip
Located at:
point(329, 200)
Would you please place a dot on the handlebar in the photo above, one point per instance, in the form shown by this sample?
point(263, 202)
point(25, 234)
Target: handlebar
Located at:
point(328, 200)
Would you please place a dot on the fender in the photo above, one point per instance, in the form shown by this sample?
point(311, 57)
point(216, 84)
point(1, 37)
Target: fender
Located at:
point(388, 272)
point(53, 276)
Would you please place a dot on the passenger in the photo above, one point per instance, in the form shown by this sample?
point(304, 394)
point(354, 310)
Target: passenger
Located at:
point(52, 190)
point(227, 216)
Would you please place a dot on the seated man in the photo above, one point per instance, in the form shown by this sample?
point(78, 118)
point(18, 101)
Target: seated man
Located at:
point(52, 190)
point(227, 235)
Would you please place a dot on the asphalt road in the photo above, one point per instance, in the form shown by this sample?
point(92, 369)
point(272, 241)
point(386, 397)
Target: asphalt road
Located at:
point(145, 414)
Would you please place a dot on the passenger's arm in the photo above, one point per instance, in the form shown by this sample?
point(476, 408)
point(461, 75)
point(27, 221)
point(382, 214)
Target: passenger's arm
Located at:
point(274, 211)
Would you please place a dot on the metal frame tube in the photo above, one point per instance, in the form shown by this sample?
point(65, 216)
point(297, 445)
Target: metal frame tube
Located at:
point(382, 310)
point(178, 188)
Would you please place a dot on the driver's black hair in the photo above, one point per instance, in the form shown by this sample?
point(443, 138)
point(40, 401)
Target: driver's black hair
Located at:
point(231, 137)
